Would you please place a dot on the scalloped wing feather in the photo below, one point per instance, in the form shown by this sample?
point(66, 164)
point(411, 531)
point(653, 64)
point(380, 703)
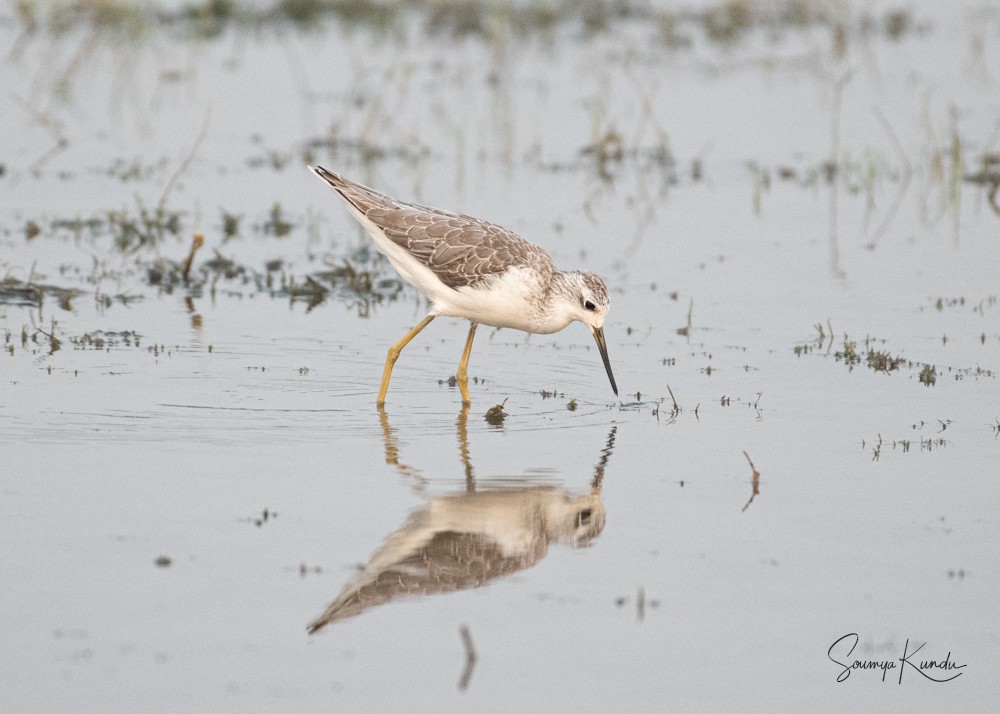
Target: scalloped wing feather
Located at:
point(461, 250)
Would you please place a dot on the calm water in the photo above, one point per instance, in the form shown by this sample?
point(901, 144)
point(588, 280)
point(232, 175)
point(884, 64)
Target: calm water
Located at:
point(191, 475)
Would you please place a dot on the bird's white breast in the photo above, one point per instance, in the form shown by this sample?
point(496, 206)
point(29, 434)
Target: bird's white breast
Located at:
point(515, 298)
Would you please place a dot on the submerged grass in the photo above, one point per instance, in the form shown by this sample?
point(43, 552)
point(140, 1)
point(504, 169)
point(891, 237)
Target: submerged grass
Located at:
point(32, 294)
point(144, 228)
point(722, 22)
point(130, 229)
point(102, 340)
point(872, 354)
point(924, 445)
point(152, 241)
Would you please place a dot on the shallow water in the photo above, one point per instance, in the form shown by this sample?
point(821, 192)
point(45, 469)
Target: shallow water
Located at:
point(180, 502)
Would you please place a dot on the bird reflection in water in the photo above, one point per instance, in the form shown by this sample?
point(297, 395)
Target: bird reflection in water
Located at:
point(464, 540)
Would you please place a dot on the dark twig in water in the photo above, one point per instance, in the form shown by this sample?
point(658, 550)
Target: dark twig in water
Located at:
point(676, 409)
point(756, 481)
point(470, 658)
point(197, 242)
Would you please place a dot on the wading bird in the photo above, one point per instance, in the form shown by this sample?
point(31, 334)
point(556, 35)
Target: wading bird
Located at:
point(473, 269)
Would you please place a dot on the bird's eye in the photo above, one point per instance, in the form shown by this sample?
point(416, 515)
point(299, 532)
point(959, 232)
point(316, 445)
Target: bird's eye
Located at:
point(583, 518)
point(589, 305)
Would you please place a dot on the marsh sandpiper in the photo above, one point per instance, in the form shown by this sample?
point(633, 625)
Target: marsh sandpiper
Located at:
point(473, 269)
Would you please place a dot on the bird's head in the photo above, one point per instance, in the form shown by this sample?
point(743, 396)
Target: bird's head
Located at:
point(588, 301)
point(576, 521)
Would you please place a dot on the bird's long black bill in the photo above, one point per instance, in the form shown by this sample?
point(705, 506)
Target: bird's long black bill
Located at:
point(603, 347)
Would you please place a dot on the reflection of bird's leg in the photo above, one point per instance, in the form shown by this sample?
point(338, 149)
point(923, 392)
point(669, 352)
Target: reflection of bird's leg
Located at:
point(392, 450)
point(462, 376)
point(463, 447)
point(393, 355)
point(598, 479)
point(391, 447)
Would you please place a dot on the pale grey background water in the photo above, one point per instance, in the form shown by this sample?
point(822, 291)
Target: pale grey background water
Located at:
point(114, 457)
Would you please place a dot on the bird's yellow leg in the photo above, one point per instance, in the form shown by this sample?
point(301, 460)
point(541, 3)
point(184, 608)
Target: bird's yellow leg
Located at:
point(393, 355)
point(462, 376)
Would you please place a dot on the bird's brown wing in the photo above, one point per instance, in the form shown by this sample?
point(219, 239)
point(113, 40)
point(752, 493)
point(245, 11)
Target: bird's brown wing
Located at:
point(461, 250)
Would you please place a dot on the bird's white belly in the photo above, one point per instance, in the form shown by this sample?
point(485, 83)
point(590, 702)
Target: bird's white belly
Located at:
point(509, 300)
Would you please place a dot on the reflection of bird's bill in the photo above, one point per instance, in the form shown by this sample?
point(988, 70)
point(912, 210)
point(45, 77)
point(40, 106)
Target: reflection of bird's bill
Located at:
point(603, 347)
